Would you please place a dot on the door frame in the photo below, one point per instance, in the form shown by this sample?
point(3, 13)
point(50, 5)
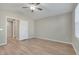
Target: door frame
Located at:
point(6, 27)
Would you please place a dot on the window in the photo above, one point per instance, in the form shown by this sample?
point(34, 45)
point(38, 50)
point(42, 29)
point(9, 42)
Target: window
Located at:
point(77, 21)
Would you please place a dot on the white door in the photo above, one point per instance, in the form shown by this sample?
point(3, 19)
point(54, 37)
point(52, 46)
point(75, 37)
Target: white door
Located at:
point(23, 30)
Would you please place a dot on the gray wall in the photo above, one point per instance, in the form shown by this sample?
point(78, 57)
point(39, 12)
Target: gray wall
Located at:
point(31, 28)
point(57, 28)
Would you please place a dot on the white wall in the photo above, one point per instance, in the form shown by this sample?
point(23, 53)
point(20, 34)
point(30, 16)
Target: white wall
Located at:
point(57, 28)
point(23, 29)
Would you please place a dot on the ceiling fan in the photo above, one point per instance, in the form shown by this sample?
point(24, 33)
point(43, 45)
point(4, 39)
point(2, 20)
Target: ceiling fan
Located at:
point(33, 6)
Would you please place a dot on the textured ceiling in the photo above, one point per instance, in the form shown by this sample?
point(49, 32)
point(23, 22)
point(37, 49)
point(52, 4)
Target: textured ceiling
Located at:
point(49, 9)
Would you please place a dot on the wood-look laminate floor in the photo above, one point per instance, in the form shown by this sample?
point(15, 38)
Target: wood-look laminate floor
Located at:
point(36, 47)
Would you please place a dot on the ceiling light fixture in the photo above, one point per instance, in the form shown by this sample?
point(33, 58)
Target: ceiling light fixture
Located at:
point(32, 7)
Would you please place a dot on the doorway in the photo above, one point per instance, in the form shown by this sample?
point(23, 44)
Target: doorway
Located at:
point(12, 28)
point(9, 29)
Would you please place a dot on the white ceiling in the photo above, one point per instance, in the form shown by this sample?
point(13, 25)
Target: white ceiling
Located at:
point(49, 9)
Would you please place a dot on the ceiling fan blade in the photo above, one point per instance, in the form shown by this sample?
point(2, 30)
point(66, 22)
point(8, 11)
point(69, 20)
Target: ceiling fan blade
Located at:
point(34, 3)
point(25, 7)
point(40, 9)
point(37, 3)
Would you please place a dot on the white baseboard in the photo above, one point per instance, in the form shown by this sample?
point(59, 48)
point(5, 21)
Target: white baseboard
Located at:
point(3, 44)
point(54, 40)
point(75, 49)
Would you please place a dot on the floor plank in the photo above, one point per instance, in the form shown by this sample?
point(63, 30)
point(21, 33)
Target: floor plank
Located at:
point(36, 46)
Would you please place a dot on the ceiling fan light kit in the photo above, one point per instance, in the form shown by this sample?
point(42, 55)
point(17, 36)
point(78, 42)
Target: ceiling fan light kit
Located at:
point(33, 7)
